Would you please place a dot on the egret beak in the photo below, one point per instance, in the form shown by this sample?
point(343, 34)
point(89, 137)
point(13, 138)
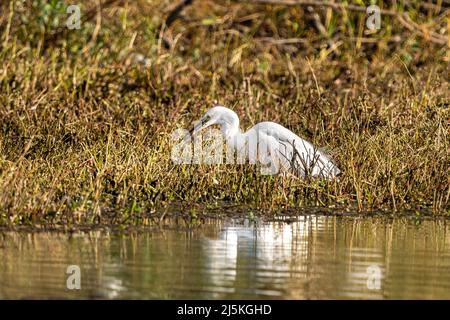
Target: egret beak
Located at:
point(196, 128)
point(203, 123)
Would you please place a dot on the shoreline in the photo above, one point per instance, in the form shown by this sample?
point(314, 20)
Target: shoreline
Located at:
point(185, 221)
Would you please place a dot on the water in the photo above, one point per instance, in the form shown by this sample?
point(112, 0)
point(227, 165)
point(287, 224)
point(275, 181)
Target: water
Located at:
point(314, 257)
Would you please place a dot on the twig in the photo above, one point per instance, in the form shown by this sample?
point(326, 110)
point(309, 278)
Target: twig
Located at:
point(394, 39)
point(281, 41)
point(328, 4)
point(406, 21)
point(175, 12)
point(403, 18)
point(171, 18)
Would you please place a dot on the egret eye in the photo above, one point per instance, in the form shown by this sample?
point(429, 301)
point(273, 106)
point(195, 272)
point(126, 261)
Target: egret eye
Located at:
point(205, 119)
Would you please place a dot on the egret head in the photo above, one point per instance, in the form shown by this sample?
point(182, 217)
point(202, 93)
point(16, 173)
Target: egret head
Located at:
point(224, 117)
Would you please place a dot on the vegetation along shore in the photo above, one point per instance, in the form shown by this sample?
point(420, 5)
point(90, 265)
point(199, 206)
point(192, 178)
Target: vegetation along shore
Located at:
point(86, 114)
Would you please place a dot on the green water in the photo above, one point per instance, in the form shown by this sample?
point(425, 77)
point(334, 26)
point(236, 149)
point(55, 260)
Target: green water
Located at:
point(314, 257)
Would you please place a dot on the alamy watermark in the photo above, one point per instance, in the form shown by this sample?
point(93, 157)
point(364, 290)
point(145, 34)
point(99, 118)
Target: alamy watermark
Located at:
point(73, 281)
point(373, 277)
point(373, 21)
point(74, 20)
point(210, 147)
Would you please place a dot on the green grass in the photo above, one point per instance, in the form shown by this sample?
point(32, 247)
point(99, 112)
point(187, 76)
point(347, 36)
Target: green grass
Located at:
point(85, 129)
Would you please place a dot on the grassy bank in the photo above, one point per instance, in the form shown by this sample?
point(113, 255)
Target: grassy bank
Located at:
point(86, 114)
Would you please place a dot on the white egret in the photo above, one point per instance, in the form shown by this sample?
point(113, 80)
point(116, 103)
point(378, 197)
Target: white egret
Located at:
point(272, 144)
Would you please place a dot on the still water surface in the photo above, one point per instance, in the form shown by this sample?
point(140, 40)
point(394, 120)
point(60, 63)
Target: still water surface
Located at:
point(314, 257)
